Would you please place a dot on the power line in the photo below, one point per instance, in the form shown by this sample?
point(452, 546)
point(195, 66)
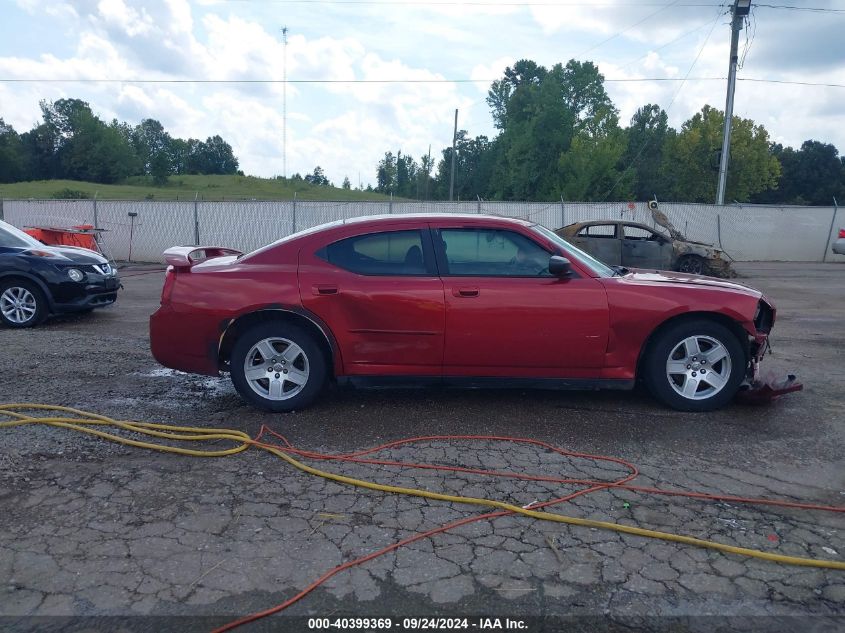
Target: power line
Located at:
point(669, 43)
point(669, 107)
point(398, 81)
point(790, 7)
point(627, 28)
point(791, 83)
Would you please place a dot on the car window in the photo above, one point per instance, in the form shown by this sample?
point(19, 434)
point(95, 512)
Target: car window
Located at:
point(598, 230)
point(12, 237)
point(638, 233)
point(493, 253)
point(386, 253)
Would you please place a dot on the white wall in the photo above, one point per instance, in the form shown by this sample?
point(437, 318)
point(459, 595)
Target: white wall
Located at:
point(745, 232)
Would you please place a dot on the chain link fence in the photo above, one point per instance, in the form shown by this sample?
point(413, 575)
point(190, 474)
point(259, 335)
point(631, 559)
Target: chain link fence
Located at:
point(142, 230)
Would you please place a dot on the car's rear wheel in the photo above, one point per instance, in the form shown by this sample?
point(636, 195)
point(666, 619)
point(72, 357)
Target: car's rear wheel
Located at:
point(278, 366)
point(22, 304)
point(692, 264)
point(695, 366)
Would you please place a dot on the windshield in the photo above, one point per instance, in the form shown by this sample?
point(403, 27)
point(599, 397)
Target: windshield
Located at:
point(602, 270)
point(11, 237)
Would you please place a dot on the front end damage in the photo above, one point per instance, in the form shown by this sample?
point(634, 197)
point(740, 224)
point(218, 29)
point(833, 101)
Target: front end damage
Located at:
point(715, 262)
point(761, 388)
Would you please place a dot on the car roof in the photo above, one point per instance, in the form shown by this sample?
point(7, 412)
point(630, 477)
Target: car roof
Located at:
point(385, 218)
point(625, 222)
point(375, 221)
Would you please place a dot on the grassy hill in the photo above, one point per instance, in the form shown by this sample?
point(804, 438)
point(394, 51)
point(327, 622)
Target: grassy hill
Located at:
point(184, 188)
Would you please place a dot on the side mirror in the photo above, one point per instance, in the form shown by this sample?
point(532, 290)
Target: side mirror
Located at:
point(559, 266)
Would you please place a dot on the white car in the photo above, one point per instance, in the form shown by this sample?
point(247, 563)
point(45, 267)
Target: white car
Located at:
point(839, 244)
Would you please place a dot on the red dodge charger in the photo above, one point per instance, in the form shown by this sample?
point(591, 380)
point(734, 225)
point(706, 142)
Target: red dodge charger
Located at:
point(451, 299)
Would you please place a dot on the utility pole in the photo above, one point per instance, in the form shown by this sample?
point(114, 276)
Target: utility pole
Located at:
point(427, 172)
point(454, 140)
point(740, 10)
point(285, 103)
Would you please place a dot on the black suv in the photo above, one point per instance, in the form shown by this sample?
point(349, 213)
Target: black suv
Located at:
point(38, 280)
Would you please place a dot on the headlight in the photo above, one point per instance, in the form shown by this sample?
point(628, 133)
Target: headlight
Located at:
point(75, 274)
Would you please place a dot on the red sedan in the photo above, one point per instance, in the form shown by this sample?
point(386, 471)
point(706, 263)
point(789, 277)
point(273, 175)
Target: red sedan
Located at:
point(451, 299)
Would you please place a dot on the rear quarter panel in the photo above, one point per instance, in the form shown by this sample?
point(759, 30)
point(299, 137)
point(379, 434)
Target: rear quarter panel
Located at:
point(185, 333)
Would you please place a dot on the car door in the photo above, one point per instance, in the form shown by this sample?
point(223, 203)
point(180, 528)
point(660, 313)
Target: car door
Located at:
point(643, 248)
point(382, 298)
point(505, 317)
point(601, 241)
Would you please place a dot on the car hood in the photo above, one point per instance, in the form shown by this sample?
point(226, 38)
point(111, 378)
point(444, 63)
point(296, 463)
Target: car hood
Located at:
point(661, 277)
point(70, 254)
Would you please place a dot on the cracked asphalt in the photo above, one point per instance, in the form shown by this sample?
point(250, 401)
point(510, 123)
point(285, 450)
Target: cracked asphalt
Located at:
point(89, 528)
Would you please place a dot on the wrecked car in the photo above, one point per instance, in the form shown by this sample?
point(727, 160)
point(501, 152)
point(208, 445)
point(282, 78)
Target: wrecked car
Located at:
point(634, 245)
point(451, 299)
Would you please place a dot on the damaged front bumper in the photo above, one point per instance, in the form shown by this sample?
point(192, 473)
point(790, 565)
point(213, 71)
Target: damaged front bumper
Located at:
point(768, 389)
point(761, 389)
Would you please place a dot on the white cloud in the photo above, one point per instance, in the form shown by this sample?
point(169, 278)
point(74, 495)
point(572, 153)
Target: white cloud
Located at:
point(346, 126)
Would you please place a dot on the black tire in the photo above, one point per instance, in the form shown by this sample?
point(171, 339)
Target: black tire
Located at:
point(311, 363)
point(16, 286)
point(666, 388)
point(692, 264)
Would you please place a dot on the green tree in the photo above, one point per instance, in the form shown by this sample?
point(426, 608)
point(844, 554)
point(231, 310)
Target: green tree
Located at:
point(386, 174)
point(155, 150)
point(39, 149)
point(647, 136)
point(540, 112)
point(12, 157)
point(346, 184)
point(472, 168)
point(691, 159)
point(424, 180)
point(593, 169)
point(524, 74)
point(811, 175)
point(81, 146)
point(318, 177)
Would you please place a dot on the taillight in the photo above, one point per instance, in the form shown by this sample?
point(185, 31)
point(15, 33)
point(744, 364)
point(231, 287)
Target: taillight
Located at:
point(841, 232)
point(169, 283)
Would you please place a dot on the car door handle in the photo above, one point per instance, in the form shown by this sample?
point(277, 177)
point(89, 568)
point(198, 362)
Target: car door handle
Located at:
point(465, 292)
point(324, 289)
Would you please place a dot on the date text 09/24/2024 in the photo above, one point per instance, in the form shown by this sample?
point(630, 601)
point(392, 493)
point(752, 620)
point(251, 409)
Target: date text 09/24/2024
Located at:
point(415, 624)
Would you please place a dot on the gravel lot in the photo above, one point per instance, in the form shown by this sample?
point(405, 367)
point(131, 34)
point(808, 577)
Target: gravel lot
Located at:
point(89, 528)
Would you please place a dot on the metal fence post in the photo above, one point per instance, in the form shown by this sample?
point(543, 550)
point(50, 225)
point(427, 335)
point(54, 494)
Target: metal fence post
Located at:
point(196, 219)
point(1, 208)
point(826, 240)
point(293, 215)
point(478, 207)
point(562, 213)
point(96, 223)
point(719, 229)
point(390, 204)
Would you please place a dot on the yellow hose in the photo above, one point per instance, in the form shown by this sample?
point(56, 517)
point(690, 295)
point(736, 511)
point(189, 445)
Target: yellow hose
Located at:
point(86, 420)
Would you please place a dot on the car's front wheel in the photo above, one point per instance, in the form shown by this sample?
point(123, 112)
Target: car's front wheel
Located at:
point(695, 366)
point(22, 304)
point(278, 367)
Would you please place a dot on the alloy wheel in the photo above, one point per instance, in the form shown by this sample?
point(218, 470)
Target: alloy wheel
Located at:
point(276, 368)
point(698, 367)
point(18, 305)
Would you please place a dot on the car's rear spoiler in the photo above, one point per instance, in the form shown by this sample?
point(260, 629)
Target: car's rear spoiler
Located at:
point(187, 256)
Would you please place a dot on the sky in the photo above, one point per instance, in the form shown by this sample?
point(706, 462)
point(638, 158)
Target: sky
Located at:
point(369, 76)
